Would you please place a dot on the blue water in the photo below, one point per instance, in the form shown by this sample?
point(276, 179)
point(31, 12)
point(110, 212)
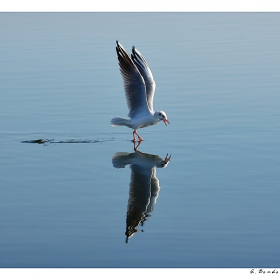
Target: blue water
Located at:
point(73, 193)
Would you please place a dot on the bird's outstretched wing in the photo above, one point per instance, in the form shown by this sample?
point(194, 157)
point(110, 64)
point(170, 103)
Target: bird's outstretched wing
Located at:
point(134, 84)
point(147, 75)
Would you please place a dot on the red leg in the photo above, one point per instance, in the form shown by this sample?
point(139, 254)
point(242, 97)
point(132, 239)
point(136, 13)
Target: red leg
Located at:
point(136, 147)
point(139, 138)
point(133, 134)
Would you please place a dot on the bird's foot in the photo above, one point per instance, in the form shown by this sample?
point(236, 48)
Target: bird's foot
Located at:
point(139, 138)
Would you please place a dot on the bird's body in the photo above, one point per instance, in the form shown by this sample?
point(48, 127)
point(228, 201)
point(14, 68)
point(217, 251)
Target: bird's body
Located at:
point(137, 122)
point(139, 88)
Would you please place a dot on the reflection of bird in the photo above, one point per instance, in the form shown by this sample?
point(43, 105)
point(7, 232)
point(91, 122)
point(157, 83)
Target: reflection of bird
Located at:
point(144, 186)
point(139, 88)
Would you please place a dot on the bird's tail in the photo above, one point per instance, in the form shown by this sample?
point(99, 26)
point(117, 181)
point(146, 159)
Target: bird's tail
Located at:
point(117, 121)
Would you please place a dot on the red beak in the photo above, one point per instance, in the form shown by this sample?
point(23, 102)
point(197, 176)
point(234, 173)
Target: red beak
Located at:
point(166, 121)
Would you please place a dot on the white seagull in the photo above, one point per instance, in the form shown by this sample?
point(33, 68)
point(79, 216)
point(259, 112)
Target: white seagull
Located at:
point(139, 86)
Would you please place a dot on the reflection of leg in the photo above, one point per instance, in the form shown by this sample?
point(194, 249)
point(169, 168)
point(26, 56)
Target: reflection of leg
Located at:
point(167, 158)
point(138, 144)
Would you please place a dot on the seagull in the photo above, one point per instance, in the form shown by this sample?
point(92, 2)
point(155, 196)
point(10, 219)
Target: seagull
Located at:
point(139, 86)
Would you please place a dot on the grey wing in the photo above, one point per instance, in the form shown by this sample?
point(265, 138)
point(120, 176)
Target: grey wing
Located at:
point(146, 73)
point(121, 159)
point(134, 84)
point(155, 188)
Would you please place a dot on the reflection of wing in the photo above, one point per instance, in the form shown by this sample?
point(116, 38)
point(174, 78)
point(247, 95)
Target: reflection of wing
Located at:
point(144, 186)
point(120, 160)
point(154, 191)
point(139, 198)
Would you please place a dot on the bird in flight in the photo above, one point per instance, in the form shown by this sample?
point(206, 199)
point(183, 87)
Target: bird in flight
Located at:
point(139, 86)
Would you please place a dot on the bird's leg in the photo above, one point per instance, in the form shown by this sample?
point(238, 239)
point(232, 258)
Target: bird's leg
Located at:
point(133, 134)
point(139, 138)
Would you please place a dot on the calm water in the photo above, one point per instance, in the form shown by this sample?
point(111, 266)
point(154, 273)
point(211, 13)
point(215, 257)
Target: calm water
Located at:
point(81, 197)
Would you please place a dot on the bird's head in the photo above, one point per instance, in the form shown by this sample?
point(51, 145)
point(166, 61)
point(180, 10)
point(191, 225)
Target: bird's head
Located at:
point(162, 117)
point(164, 163)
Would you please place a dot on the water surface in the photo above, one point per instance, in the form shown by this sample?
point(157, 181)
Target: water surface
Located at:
point(73, 193)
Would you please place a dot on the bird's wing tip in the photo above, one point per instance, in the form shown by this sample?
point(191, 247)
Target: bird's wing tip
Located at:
point(134, 50)
point(119, 45)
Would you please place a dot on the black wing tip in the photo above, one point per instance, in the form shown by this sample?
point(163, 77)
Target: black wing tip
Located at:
point(134, 52)
point(118, 47)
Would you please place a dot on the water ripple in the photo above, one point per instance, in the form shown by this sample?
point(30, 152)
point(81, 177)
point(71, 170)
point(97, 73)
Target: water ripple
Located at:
point(71, 141)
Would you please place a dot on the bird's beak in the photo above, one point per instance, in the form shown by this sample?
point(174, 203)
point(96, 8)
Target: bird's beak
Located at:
point(167, 158)
point(166, 121)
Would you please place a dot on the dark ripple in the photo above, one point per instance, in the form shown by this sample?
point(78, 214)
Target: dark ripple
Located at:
point(71, 141)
